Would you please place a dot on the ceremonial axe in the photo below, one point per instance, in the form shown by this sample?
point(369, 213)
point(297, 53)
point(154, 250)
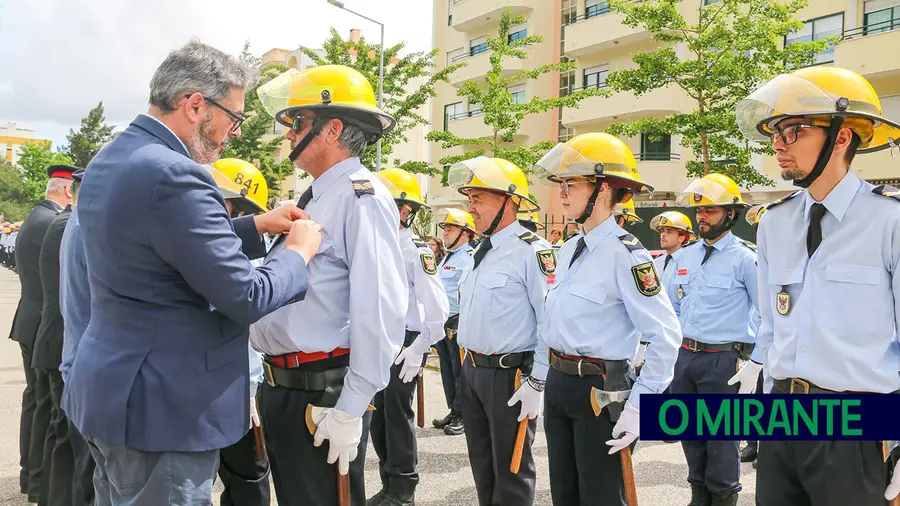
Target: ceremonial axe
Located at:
point(599, 400)
point(314, 416)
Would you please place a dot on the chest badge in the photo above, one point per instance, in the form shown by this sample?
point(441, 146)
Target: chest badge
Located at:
point(783, 301)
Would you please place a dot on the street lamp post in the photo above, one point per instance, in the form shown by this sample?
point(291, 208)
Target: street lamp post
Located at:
point(339, 4)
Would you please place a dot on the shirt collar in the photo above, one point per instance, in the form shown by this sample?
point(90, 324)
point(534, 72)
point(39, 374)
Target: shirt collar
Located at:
point(465, 246)
point(321, 184)
point(513, 230)
point(593, 238)
point(723, 242)
point(186, 150)
point(838, 199)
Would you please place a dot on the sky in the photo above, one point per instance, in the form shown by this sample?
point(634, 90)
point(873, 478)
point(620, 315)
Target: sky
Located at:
point(59, 58)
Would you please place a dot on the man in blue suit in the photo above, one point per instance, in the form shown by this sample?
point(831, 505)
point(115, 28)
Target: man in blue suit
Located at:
point(160, 376)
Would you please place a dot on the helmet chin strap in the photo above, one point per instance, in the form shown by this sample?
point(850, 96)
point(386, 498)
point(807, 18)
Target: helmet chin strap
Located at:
point(727, 224)
point(315, 129)
point(409, 218)
point(824, 155)
point(455, 242)
point(589, 208)
point(494, 224)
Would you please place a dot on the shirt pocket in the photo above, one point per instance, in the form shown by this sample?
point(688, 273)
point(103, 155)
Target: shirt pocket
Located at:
point(853, 298)
point(489, 288)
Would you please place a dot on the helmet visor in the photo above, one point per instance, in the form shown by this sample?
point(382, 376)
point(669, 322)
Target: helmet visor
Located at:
point(754, 214)
point(491, 176)
point(704, 192)
point(229, 189)
point(564, 161)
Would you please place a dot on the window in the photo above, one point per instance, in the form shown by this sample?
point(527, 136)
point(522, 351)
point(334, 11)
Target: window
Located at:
point(475, 109)
point(566, 83)
point(478, 46)
point(880, 17)
point(656, 147)
point(817, 29)
point(276, 128)
point(517, 32)
point(710, 2)
point(450, 20)
point(595, 77)
point(595, 8)
point(518, 94)
point(451, 111)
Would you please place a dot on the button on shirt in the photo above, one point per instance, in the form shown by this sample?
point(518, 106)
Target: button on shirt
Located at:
point(358, 292)
point(428, 307)
point(502, 301)
point(596, 310)
point(718, 295)
point(840, 330)
point(451, 270)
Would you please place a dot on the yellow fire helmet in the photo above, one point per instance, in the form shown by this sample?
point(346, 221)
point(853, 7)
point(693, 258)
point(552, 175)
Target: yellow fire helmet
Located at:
point(233, 192)
point(494, 174)
point(626, 209)
point(754, 214)
point(711, 190)
point(459, 218)
point(331, 90)
point(248, 176)
point(819, 93)
point(673, 219)
point(593, 155)
point(403, 187)
point(533, 219)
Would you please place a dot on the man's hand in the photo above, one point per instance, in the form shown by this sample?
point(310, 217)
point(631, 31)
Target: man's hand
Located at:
point(747, 376)
point(411, 358)
point(532, 401)
point(343, 433)
point(279, 220)
point(627, 429)
point(305, 238)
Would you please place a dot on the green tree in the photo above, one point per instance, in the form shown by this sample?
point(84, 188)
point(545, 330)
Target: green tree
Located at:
point(734, 46)
point(423, 223)
point(34, 158)
point(500, 111)
point(15, 202)
point(251, 145)
point(399, 100)
point(90, 137)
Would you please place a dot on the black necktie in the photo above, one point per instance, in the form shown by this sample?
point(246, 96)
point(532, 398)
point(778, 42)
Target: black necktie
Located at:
point(304, 199)
point(447, 257)
point(483, 248)
point(814, 233)
point(579, 248)
point(709, 250)
point(666, 263)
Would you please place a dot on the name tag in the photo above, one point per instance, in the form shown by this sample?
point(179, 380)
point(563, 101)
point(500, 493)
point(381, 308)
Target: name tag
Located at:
point(682, 272)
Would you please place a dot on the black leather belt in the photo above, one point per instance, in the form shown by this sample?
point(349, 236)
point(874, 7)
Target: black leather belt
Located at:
point(583, 366)
point(501, 361)
point(302, 379)
point(800, 386)
point(745, 349)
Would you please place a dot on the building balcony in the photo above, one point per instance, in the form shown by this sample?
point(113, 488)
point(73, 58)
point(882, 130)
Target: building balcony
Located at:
point(471, 125)
point(470, 15)
point(599, 32)
point(862, 49)
point(478, 66)
point(625, 106)
point(664, 171)
point(877, 167)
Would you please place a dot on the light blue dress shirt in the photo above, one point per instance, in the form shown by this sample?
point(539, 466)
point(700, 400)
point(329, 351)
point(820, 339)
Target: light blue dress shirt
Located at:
point(667, 272)
point(451, 270)
point(840, 332)
point(358, 291)
point(427, 309)
point(502, 301)
point(716, 298)
point(597, 310)
point(74, 291)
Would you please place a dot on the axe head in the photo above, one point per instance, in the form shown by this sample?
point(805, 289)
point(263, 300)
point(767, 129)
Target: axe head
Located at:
point(601, 398)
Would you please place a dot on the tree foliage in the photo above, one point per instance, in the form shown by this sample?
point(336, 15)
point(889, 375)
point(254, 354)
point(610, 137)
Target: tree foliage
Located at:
point(734, 46)
point(423, 224)
point(498, 108)
point(15, 201)
point(34, 158)
point(401, 99)
point(92, 135)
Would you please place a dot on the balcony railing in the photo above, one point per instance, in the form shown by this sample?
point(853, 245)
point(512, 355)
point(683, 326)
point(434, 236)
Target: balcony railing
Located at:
point(472, 52)
point(464, 115)
point(871, 29)
point(657, 157)
point(593, 12)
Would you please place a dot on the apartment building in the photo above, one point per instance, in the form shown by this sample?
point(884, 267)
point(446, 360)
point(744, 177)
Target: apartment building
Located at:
point(586, 32)
point(13, 137)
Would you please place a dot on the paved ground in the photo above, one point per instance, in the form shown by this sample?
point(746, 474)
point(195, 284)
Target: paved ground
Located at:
point(446, 477)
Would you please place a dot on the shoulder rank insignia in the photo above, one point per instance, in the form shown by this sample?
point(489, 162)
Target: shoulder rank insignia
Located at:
point(429, 265)
point(631, 242)
point(547, 261)
point(646, 279)
point(887, 191)
point(363, 187)
point(471, 251)
point(784, 199)
point(420, 243)
point(748, 244)
point(528, 237)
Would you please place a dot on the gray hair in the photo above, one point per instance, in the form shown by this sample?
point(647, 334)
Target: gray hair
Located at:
point(197, 67)
point(56, 185)
point(353, 140)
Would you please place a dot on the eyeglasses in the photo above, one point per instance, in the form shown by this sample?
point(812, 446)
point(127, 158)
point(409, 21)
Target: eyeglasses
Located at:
point(236, 119)
point(789, 133)
point(566, 186)
point(297, 123)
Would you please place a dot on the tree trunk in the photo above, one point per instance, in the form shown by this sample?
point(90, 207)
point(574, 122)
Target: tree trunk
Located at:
point(704, 137)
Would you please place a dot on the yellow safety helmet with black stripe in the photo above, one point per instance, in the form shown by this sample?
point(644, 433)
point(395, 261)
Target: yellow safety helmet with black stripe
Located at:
point(405, 190)
point(233, 193)
point(247, 175)
point(714, 190)
point(494, 175)
point(754, 214)
point(627, 210)
point(459, 218)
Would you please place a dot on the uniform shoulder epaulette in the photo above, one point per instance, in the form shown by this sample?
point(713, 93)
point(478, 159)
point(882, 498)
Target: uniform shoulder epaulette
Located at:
point(887, 191)
point(631, 242)
point(362, 187)
point(528, 237)
point(748, 244)
point(784, 199)
point(420, 243)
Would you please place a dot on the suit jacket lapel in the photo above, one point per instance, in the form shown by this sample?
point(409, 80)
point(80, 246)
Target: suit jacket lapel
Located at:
point(158, 130)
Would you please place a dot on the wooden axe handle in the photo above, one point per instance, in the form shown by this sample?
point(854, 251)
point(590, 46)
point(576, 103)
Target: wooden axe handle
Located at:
point(260, 442)
point(516, 461)
point(343, 487)
point(420, 400)
point(628, 477)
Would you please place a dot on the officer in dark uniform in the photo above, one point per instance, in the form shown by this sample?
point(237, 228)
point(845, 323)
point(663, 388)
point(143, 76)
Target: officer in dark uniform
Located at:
point(36, 398)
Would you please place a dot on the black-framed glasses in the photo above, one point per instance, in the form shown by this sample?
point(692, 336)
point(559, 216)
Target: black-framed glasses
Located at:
point(790, 133)
point(297, 122)
point(566, 186)
point(236, 119)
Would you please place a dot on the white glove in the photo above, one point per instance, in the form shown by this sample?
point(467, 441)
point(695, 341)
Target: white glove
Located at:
point(642, 349)
point(254, 414)
point(343, 433)
point(411, 358)
point(893, 488)
point(627, 429)
point(532, 401)
point(747, 376)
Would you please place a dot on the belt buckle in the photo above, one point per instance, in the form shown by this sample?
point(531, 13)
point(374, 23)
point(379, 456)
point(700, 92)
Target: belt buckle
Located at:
point(267, 369)
point(804, 385)
point(500, 361)
point(694, 345)
point(580, 374)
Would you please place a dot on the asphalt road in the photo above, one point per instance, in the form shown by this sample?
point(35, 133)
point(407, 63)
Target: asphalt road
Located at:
point(446, 478)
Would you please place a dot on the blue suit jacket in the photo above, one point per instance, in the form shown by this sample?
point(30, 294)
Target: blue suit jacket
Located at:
point(162, 365)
